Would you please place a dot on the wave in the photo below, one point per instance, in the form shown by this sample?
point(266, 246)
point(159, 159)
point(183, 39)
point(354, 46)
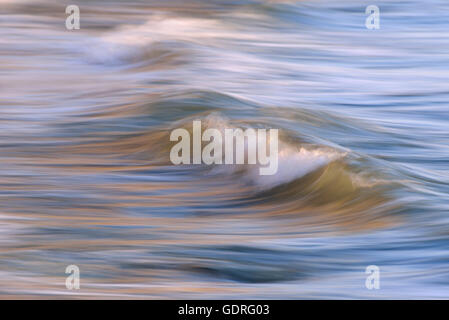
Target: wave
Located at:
point(159, 37)
point(322, 185)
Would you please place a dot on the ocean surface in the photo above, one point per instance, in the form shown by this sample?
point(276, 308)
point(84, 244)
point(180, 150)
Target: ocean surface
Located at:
point(85, 176)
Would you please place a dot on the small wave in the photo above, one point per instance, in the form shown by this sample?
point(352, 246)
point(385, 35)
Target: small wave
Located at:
point(132, 44)
point(294, 163)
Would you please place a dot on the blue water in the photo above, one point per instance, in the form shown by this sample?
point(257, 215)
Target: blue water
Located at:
point(85, 119)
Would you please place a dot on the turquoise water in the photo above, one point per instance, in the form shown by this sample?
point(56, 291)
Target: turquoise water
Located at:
point(85, 119)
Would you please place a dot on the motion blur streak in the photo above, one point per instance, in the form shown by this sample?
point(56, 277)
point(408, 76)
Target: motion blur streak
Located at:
point(85, 118)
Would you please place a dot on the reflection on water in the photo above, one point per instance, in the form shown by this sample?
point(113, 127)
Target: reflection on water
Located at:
point(85, 118)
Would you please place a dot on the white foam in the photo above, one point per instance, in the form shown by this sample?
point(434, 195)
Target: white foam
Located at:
point(130, 41)
point(294, 163)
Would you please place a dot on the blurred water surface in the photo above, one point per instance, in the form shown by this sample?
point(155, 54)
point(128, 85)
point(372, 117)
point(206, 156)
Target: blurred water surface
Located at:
point(363, 178)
